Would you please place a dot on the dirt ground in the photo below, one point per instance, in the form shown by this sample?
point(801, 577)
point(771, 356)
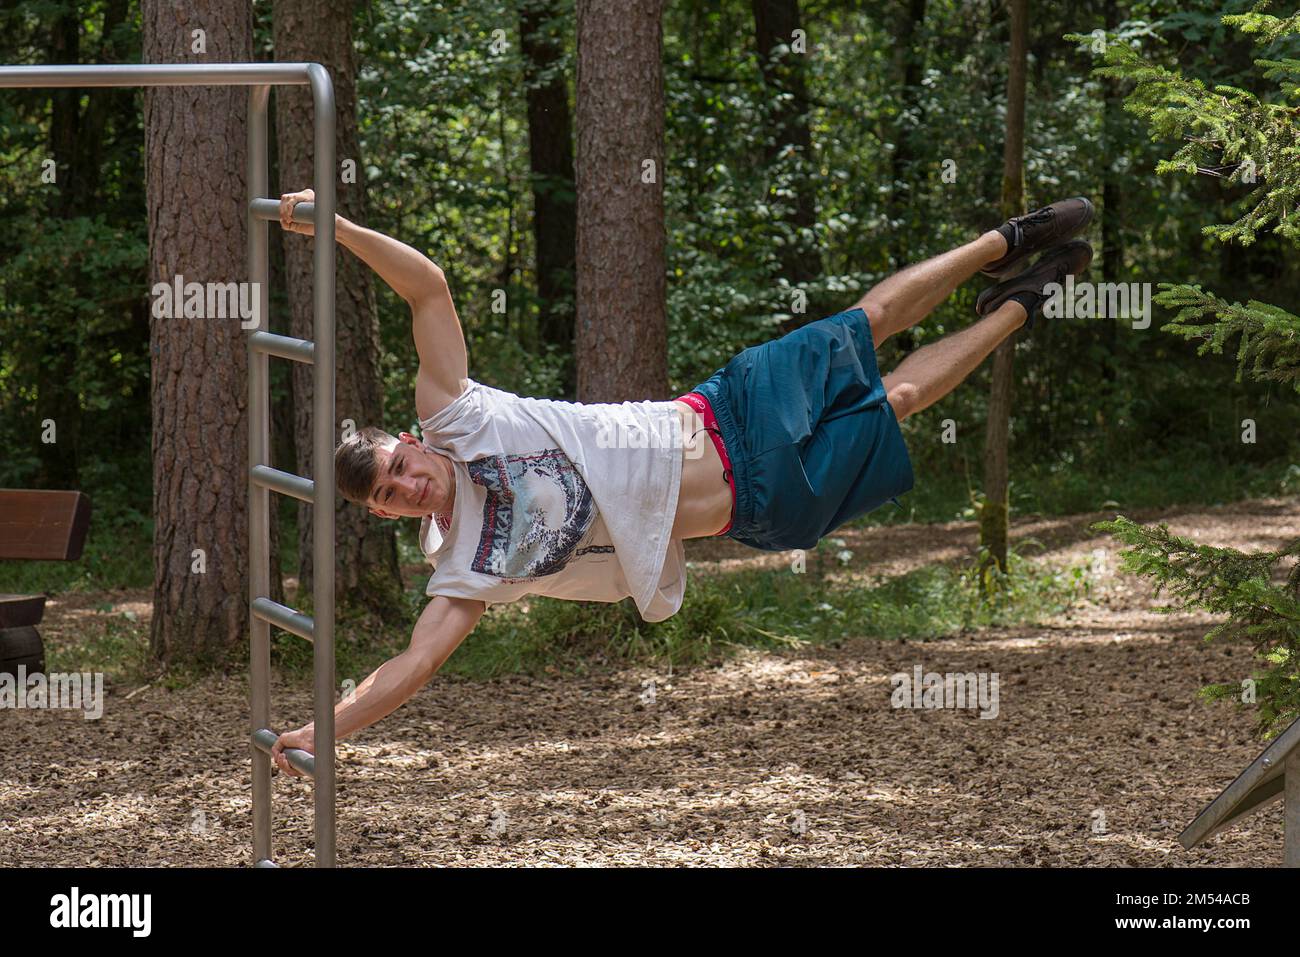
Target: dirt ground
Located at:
point(1100, 753)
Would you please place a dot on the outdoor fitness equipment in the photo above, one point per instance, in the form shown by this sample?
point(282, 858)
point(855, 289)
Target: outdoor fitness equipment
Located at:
point(319, 353)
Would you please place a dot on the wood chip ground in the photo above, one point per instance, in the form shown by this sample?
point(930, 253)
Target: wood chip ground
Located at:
point(1100, 754)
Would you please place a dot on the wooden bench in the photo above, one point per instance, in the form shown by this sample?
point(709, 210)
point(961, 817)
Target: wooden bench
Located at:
point(35, 526)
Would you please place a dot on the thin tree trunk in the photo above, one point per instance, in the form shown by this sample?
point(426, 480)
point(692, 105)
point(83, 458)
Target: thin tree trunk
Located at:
point(622, 339)
point(995, 514)
point(909, 64)
point(195, 183)
point(775, 23)
point(366, 549)
point(1112, 200)
point(550, 154)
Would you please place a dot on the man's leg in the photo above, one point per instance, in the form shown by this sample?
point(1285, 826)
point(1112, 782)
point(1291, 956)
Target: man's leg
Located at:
point(907, 297)
point(934, 370)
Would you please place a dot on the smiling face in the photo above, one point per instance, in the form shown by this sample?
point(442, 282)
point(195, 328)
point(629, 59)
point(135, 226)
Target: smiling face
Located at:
point(411, 480)
point(395, 477)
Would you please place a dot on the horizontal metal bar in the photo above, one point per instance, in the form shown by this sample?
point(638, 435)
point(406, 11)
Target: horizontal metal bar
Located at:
point(286, 347)
point(286, 483)
point(304, 761)
point(265, 863)
point(269, 209)
point(285, 618)
point(156, 74)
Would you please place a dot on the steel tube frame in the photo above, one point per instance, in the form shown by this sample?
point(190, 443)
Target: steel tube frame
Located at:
point(284, 618)
point(286, 483)
point(1291, 811)
point(260, 77)
point(269, 209)
point(286, 347)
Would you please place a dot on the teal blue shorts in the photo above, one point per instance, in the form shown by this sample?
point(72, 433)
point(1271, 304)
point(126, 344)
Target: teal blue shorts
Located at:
point(812, 439)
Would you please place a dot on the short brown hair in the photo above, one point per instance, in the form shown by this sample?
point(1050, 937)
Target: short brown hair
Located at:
point(355, 464)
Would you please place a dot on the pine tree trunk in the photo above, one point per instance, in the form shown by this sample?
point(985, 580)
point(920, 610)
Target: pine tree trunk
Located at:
point(995, 515)
point(622, 339)
point(195, 184)
point(550, 154)
point(366, 549)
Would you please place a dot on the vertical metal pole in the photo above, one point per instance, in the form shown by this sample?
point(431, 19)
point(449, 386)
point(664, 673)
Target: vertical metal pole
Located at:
point(324, 175)
point(259, 446)
point(1291, 810)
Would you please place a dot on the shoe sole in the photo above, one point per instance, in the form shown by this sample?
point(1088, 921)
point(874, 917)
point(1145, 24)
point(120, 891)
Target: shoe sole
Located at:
point(992, 293)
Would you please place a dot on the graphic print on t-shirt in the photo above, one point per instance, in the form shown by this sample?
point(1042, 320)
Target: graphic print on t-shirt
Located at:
point(537, 511)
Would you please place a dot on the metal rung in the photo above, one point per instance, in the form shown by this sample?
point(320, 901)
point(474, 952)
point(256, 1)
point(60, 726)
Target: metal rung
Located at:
point(286, 483)
point(285, 618)
point(286, 347)
point(304, 761)
point(269, 209)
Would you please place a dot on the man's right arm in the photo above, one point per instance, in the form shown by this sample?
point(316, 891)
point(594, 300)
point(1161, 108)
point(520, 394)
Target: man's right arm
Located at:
point(435, 327)
point(441, 628)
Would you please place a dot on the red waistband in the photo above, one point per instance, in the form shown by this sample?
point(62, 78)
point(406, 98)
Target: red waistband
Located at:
point(701, 405)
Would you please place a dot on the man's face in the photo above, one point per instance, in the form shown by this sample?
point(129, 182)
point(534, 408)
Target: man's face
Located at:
point(409, 482)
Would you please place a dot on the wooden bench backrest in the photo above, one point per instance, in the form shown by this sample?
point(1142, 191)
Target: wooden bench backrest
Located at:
point(37, 524)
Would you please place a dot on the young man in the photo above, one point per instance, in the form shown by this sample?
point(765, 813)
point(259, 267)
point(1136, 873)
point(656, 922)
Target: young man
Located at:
point(521, 496)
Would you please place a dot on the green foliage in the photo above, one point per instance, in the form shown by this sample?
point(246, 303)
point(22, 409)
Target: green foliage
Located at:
point(1269, 347)
point(1256, 140)
point(1240, 586)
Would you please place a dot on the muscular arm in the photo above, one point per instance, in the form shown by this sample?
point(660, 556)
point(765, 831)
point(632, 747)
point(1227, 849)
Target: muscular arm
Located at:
point(441, 628)
point(435, 327)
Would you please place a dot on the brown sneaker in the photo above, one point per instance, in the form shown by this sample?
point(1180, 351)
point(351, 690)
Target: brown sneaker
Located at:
point(1034, 232)
point(1027, 288)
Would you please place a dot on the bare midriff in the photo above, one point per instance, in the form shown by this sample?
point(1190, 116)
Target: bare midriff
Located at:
point(704, 502)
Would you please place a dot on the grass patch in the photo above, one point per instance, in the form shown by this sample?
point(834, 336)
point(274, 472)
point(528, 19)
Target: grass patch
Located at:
point(765, 608)
point(115, 644)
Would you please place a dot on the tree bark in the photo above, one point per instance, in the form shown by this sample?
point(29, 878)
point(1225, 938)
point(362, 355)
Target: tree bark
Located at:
point(195, 147)
point(775, 22)
point(366, 549)
point(550, 154)
point(622, 338)
point(995, 514)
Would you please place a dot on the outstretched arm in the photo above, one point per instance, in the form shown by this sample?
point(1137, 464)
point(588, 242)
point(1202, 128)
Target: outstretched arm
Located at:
point(441, 628)
point(435, 327)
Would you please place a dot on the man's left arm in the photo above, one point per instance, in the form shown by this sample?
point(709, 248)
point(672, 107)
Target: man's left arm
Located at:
point(435, 326)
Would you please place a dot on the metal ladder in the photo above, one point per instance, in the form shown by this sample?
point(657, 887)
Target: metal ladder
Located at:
point(263, 479)
point(319, 352)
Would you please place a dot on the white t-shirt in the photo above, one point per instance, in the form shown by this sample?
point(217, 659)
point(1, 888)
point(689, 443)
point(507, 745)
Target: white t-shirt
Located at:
point(564, 499)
